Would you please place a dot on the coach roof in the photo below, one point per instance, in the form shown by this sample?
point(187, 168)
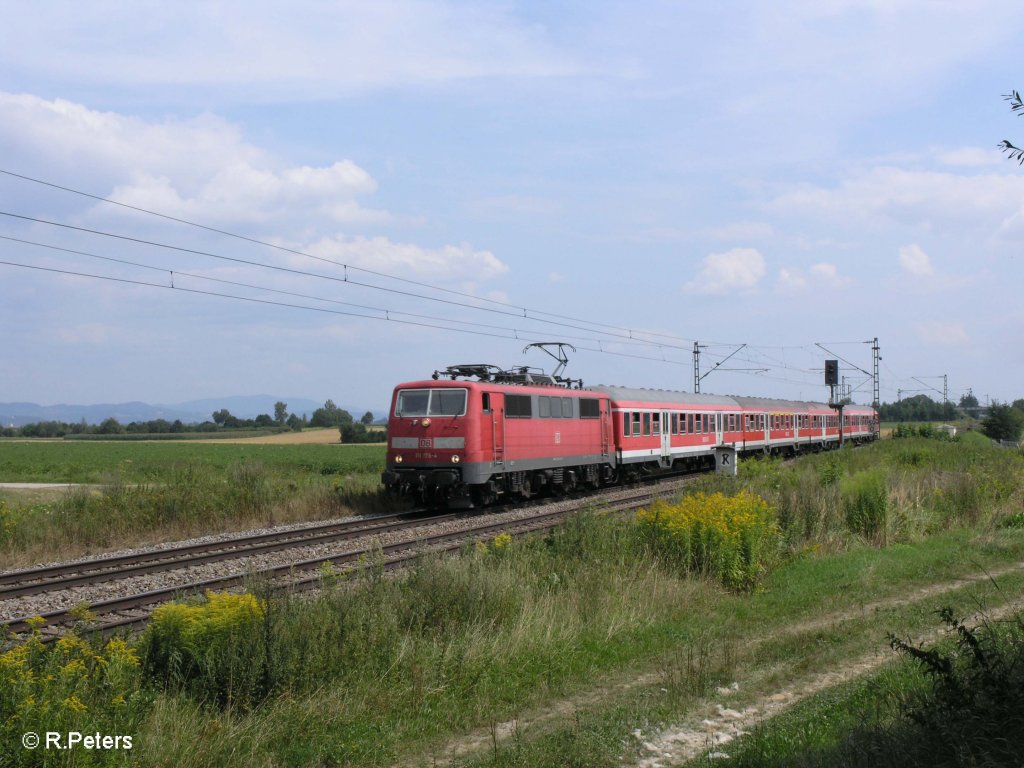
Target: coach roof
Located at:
point(663, 396)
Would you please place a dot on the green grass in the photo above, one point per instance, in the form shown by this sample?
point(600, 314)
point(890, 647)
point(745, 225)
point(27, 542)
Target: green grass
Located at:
point(96, 462)
point(592, 623)
point(952, 703)
point(150, 492)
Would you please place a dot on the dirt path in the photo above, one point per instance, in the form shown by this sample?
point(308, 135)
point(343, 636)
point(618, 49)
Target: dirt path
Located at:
point(714, 724)
point(707, 731)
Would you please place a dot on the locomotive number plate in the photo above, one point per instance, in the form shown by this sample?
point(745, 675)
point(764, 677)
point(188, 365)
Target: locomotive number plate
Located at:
point(426, 442)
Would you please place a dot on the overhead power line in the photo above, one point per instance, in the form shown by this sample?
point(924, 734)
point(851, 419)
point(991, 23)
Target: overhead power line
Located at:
point(255, 300)
point(296, 252)
point(345, 279)
point(172, 273)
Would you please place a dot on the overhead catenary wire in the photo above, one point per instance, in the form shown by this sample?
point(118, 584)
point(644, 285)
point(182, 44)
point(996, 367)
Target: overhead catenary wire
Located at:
point(619, 334)
point(343, 280)
point(239, 284)
point(294, 251)
point(519, 309)
point(255, 300)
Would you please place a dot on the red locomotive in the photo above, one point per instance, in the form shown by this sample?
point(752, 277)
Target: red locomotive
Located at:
point(486, 433)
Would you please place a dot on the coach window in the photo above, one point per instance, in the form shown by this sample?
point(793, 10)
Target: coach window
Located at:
point(636, 423)
point(647, 424)
point(625, 425)
point(656, 424)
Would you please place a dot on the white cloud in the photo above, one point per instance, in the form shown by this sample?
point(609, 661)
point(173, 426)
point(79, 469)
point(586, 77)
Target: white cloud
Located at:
point(971, 156)
point(828, 274)
point(444, 264)
point(915, 261)
point(881, 195)
point(258, 50)
point(942, 333)
point(739, 269)
point(199, 168)
point(792, 279)
point(821, 275)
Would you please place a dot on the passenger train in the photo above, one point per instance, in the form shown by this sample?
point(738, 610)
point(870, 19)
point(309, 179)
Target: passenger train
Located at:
point(481, 433)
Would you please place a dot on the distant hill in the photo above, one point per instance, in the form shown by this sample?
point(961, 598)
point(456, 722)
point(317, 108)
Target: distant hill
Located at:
point(190, 412)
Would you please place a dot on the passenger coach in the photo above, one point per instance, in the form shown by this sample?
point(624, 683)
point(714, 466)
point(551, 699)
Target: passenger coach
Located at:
point(517, 433)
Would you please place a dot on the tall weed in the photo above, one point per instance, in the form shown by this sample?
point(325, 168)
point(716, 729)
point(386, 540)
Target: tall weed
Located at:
point(732, 538)
point(866, 497)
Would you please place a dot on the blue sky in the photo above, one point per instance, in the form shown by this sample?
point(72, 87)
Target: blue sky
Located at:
point(774, 174)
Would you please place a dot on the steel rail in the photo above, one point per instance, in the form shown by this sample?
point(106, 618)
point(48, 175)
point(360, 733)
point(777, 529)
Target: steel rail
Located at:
point(438, 543)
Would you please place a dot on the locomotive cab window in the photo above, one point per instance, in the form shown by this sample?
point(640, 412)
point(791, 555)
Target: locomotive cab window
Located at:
point(486, 402)
point(431, 402)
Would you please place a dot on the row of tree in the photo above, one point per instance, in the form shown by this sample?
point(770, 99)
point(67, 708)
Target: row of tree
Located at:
point(329, 415)
point(1000, 421)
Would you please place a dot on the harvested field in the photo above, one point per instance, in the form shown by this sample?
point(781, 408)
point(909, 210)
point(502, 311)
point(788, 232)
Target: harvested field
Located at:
point(306, 437)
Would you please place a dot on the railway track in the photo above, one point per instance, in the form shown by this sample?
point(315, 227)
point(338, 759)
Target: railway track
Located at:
point(38, 580)
point(133, 610)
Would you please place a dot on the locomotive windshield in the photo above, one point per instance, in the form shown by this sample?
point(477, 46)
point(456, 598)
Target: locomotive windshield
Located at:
point(431, 402)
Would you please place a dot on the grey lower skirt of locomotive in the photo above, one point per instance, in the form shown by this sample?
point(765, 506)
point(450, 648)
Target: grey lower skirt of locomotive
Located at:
point(464, 488)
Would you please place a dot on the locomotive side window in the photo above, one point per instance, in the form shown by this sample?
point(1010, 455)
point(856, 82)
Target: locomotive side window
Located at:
point(566, 407)
point(543, 407)
point(556, 407)
point(518, 406)
point(590, 408)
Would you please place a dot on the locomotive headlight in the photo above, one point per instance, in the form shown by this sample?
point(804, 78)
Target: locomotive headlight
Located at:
point(425, 422)
point(456, 459)
point(398, 459)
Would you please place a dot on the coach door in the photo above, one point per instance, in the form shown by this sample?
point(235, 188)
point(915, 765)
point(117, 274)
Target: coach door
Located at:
point(606, 416)
point(666, 439)
point(497, 416)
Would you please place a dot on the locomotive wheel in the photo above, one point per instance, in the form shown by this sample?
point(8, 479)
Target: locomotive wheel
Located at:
point(481, 496)
point(526, 487)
